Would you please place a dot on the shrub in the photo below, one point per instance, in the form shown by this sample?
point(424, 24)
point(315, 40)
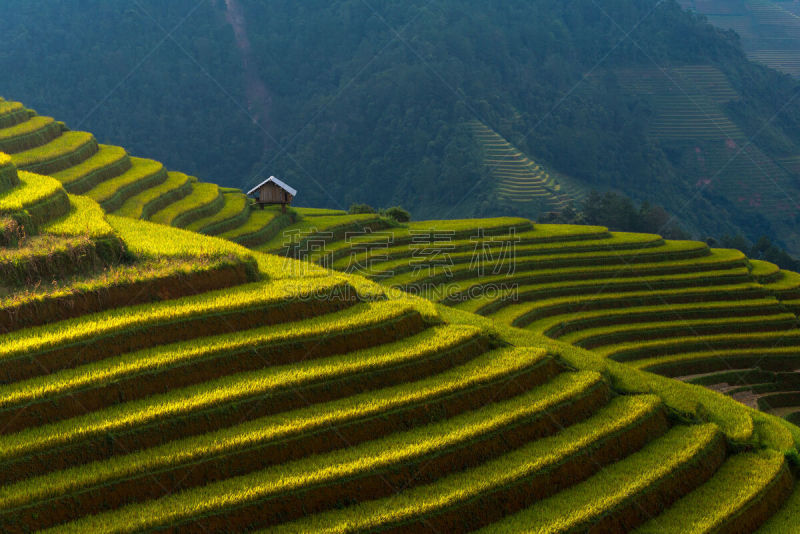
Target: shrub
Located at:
point(356, 209)
point(398, 214)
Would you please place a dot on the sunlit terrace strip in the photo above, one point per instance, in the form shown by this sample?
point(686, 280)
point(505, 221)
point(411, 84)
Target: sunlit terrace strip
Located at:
point(71, 148)
point(492, 248)
point(217, 303)
point(12, 113)
point(534, 460)
point(203, 198)
point(361, 460)
point(320, 228)
point(146, 239)
point(33, 189)
point(525, 313)
point(230, 389)
point(233, 214)
point(497, 365)
point(617, 485)
point(726, 499)
point(462, 230)
point(29, 134)
point(86, 217)
point(649, 262)
point(775, 357)
point(562, 324)
point(108, 162)
point(144, 173)
point(160, 358)
point(631, 351)
point(472, 295)
point(258, 220)
point(141, 206)
point(607, 335)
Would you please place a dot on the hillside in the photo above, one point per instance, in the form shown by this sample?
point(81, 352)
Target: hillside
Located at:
point(416, 414)
point(768, 28)
point(678, 308)
point(267, 393)
point(376, 102)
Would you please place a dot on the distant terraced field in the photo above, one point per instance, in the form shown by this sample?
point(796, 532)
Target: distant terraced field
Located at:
point(687, 100)
point(521, 180)
point(787, 61)
point(689, 111)
point(770, 30)
point(262, 395)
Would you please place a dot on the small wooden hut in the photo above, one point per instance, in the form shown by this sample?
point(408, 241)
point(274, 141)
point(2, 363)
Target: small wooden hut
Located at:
point(273, 191)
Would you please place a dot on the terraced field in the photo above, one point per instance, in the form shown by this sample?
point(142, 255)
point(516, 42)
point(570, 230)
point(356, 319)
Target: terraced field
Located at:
point(769, 29)
point(784, 60)
point(778, 30)
point(689, 108)
point(708, 316)
point(153, 378)
point(323, 402)
point(128, 186)
point(519, 179)
point(687, 101)
point(59, 257)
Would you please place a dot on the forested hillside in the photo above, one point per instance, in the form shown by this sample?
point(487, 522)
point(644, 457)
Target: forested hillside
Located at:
point(377, 101)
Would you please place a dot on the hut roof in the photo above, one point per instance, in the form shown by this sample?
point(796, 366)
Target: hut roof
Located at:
point(291, 190)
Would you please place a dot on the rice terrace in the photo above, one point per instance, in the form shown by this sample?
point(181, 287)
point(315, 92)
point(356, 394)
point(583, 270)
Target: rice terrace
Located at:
point(370, 374)
point(182, 356)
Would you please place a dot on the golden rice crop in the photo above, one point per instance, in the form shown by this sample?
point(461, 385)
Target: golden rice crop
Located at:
point(46, 337)
point(141, 169)
point(341, 464)
point(232, 388)
point(146, 239)
point(135, 206)
point(202, 195)
point(109, 370)
point(536, 457)
point(488, 367)
point(33, 125)
point(65, 146)
point(257, 220)
point(460, 251)
point(236, 205)
point(106, 156)
point(85, 218)
point(33, 188)
point(575, 507)
point(727, 494)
